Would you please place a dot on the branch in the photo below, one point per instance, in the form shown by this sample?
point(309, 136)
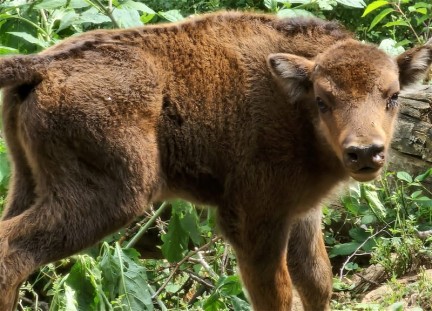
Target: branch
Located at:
point(177, 266)
point(358, 248)
point(144, 228)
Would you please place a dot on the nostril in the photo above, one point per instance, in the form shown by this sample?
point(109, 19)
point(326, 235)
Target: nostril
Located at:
point(352, 156)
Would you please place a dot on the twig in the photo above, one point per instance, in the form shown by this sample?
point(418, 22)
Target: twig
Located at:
point(200, 280)
point(158, 301)
point(358, 248)
point(177, 266)
point(206, 265)
point(144, 228)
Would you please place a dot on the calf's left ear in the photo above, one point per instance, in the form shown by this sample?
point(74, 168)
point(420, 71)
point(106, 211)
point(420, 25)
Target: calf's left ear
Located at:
point(291, 72)
point(413, 64)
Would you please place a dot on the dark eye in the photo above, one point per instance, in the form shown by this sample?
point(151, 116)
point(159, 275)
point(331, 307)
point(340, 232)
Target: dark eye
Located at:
point(392, 101)
point(321, 105)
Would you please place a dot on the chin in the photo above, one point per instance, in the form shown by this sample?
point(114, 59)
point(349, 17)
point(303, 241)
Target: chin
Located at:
point(363, 177)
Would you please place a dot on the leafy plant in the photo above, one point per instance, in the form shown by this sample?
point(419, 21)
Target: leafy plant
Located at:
point(407, 21)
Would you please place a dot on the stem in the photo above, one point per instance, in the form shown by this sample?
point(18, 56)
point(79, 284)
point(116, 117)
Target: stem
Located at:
point(107, 11)
point(45, 23)
point(159, 302)
point(144, 228)
point(399, 10)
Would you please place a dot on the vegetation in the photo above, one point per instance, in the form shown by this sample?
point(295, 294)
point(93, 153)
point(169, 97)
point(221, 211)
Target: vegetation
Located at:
point(192, 268)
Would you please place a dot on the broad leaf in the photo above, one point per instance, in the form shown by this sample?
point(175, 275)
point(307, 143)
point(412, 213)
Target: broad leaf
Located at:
point(404, 176)
point(344, 249)
point(373, 6)
point(50, 4)
point(172, 15)
point(352, 3)
point(29, 38)
point(379, 17)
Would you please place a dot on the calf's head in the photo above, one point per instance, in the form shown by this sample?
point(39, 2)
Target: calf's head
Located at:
point(354, 88)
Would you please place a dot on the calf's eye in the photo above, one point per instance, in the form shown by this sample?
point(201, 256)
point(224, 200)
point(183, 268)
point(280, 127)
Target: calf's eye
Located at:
point(392, 101)
point(321, 105)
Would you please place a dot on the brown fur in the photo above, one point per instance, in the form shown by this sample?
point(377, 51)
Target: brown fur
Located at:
point(104, 123)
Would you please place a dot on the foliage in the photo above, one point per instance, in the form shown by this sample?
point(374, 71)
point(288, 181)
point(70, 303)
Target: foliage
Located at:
point(388, 222)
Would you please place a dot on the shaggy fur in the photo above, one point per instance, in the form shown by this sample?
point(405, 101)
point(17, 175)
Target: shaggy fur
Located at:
point(258, 116)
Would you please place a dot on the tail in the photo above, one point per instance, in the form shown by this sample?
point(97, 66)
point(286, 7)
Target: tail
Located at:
point(24, 69)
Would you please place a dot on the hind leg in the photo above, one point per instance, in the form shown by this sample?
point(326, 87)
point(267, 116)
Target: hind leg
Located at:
point(308, 263)
point(77, 204)
point(56, 227)
point(21, 192)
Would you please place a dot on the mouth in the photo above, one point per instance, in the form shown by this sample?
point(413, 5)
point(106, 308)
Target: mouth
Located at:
point(365, 174)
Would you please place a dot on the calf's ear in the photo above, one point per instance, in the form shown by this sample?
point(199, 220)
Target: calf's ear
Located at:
point(413, 64)
point(292, 73)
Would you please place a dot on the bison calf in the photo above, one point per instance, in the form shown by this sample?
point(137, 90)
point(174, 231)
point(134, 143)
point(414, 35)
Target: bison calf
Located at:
point(259, 116)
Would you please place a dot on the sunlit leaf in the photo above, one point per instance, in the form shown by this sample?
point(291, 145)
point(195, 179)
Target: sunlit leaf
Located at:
point(29, 38)
point(379, 17)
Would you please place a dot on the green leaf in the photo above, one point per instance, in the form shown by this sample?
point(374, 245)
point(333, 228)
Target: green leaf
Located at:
point(415, 194)
point(172, 15)
point(379, 17)
point(374, 202)
point(133, 286)
point(293, 13)
point(239, 304)
point(402, 43)
point(368, 219)
point(422, 11)
point(359, 234)
point(344, 249)
point(398, 306)
point(70, 299)
point(404, 176)
point(125, 279)
point(138, 6)
point(423, 176)
point(271, 5)
point(373, 6)
point(78, 4)
point(50, 4)
point(214, 303)
point(79, 280)
point(352, 3)
point(397, 23)
point(4, 50)
point(423, 5)
point(175, 241)
point(230, 286)
point(189, 223)
point(67, 19)
point(93, 16)
point(127, 17)
point(351, 204)
point(351, 266)
point(29, 38)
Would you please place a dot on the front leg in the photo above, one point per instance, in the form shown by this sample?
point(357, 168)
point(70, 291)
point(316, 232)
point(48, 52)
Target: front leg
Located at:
point(308, 262)
point(260, 242)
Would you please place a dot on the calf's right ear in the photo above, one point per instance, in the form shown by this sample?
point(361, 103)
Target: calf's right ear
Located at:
point(413, 64)
point(292, 73)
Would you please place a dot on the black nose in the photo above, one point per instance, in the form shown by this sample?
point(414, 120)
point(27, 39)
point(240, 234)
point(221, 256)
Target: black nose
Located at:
point(364, 158)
